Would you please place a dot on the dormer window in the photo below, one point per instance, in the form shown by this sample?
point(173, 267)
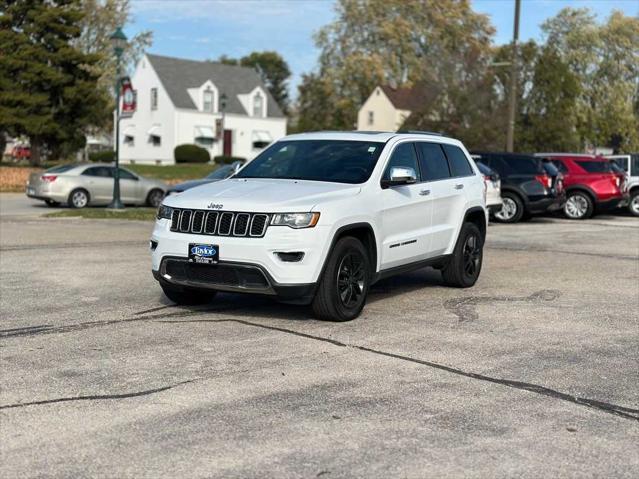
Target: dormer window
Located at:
point(258, 104)
point(207, 101)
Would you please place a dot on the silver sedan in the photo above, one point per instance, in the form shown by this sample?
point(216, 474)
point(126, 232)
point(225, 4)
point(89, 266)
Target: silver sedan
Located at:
point(79, 185)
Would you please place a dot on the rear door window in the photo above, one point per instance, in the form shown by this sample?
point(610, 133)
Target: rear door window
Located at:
point(595, 166)
point(432, 161)
point(550, 168)
point(457, 160)
point(100, 171)
point(126, 175)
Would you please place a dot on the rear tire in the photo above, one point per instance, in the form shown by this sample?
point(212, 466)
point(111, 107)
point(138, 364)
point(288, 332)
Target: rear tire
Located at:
point(185, 296)
point(578, 206)
point(78, 198)
point(512, 208)
point(633, 203)
point(462, 271)
point(155, 197)
point(344, 284)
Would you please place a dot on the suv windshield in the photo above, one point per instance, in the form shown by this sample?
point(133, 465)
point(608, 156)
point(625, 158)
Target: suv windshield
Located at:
point(338, 161)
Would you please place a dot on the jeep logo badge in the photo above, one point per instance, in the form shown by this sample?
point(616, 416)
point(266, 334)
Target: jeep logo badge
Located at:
point(215, 206)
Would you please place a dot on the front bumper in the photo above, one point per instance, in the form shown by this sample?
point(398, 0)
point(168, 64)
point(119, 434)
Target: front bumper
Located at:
point(257, 252)
point(230, 277)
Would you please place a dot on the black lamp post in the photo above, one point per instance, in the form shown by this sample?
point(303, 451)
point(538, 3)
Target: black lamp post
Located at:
point(223, 99)
point(118, 40)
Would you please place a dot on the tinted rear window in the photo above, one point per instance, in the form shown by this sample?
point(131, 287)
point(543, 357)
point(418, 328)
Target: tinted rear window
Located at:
point(457, 160)
point(432, 161)
point(61, 168)
point(595, 166)
point(523, 165)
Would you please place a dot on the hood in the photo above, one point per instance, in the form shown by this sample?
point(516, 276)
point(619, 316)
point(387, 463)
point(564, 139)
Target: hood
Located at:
point(189, 184)
point(264, 195)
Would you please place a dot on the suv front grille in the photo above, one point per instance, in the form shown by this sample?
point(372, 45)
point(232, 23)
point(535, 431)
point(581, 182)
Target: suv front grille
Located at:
point(219, 223)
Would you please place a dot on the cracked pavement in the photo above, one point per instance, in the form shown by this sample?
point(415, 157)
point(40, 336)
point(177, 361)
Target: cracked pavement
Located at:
point(533, 372)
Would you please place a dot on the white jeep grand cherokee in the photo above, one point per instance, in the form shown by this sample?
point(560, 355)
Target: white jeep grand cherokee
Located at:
point(319, 217)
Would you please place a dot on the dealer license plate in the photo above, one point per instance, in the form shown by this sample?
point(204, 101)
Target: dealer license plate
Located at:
point(204, 253)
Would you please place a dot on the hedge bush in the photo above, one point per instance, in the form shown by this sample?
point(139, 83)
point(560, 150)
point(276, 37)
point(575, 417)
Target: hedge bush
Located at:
point(106, 156)
point(191, 154)
point(227, 160)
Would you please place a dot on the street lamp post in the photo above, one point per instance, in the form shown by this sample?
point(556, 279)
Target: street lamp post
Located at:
point(512, 101)
point(223, 99)
point(118, 39)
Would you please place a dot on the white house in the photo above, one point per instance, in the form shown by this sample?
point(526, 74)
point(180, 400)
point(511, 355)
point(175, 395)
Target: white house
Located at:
point(387, 107)
point(180, 102)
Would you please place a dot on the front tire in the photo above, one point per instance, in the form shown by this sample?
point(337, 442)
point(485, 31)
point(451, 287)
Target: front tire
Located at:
point(579, 206)
point(344, 284)
point(512, 208)
point(633, 203)
point(78, 198)
point(462, 271)
point(155, 197)
point(186, 296)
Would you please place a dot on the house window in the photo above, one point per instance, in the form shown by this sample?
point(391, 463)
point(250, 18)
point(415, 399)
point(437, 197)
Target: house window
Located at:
point(154, 98)
point(129, 140)
point(371, 117)
point(207, 103)
point(258, 105)
point(155, 140)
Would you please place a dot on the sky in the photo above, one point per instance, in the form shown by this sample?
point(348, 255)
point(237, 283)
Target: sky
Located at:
point(206, 29)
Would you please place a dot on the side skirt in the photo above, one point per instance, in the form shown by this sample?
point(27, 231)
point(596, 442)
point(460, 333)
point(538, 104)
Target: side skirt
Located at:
point(436, 262)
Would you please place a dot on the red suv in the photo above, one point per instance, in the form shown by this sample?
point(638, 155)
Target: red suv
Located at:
point(591, 183)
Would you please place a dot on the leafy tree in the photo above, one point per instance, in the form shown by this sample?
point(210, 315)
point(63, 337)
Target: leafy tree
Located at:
point(273, 70)
point(99, 20)
point(47, 85)
point(605, 58)
point(444, 44)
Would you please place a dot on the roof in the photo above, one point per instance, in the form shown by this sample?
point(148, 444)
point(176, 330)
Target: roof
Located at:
point(178, 75)
point(409, 98)
point(372, 136)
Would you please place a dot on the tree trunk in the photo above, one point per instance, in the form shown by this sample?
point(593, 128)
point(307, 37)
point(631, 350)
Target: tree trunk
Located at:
point(3, 144)
point(36, 146)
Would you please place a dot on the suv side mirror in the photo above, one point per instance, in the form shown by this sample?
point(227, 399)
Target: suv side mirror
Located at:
point(400, 175)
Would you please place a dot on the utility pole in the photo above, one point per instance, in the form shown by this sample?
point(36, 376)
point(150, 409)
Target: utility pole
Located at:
point(512, 101)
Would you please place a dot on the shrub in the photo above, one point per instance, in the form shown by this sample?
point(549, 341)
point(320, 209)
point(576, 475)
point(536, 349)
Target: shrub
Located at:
point(191, 154)
point(227, 160)
point(106, 156)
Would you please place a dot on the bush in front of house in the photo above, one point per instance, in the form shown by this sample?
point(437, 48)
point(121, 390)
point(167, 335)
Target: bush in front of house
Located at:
point(227, 160)
point(191, 154)
point(106, 156)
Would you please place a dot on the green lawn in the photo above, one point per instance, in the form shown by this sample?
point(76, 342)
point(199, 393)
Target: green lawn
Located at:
point(182, 171)
point(147, 214)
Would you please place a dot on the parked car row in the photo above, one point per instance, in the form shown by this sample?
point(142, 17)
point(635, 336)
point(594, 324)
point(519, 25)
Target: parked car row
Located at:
point(580, 185)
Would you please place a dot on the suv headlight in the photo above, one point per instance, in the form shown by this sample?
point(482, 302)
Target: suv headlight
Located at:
point(164, 212)
point(295, 220)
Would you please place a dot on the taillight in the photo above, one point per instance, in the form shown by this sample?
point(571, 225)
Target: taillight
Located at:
point(48, 178)
point(545, 180)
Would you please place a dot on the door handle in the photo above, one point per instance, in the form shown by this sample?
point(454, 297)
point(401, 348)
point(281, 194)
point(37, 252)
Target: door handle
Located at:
point(424, 192)
point(459, 186)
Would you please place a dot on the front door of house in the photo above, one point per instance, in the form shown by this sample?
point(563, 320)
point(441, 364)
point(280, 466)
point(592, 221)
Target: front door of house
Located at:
point(228, 142)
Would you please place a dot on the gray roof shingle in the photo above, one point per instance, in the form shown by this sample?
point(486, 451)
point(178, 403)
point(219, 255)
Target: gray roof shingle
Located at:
point(177, 75)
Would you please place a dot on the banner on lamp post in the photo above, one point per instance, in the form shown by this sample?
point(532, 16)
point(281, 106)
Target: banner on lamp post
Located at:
point(129, 99)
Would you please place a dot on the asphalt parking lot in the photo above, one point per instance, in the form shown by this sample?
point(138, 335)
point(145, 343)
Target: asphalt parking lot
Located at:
point(533, 372)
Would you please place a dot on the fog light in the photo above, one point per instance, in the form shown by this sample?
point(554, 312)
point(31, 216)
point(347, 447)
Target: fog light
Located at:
point(293, 257)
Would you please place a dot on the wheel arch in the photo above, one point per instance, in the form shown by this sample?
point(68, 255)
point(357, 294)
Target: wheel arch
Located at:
point(362, 231)
point(583, 189)
point(516, 191)
point(79, 188)
point(477, 216)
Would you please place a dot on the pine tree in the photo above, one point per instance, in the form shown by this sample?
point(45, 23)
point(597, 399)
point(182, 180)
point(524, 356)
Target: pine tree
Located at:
point(48, 87)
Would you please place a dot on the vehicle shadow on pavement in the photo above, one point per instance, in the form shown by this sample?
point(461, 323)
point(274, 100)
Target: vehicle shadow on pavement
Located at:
point(256, 306)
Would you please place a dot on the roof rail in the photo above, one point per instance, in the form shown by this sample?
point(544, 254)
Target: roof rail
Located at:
point(419, 132)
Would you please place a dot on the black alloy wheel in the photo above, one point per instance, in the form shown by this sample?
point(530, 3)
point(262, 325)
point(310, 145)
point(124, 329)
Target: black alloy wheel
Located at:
point(351, 279)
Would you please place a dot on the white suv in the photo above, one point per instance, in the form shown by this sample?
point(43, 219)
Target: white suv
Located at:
point(319, 217)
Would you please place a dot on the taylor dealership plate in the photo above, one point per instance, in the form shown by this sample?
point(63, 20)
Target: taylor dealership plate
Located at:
point(204, 253)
